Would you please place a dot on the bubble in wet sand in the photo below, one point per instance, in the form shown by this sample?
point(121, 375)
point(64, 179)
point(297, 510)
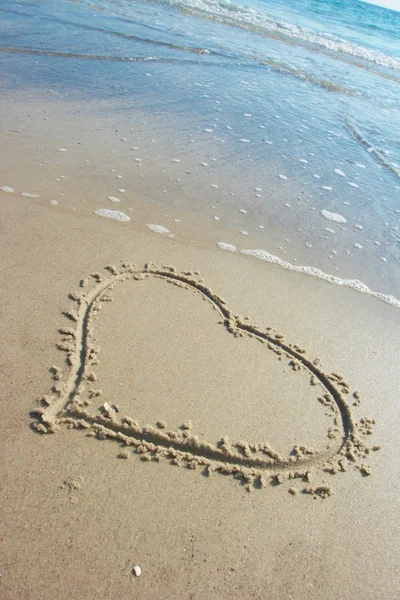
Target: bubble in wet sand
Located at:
point(29, 195)
point(112, 214)
point(158, 228)
point(224, 246)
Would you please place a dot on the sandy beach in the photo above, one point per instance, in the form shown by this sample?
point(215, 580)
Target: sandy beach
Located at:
point(200, 302)
point(77, 518)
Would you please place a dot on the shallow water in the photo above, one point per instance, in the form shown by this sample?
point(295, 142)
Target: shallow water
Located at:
point(279, 109)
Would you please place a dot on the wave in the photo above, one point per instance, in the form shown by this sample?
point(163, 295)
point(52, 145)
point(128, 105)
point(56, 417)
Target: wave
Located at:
point(229, 13)
point(354, 284)
point(273, 65)
point(128, 36)
point(358, 136)
point(86, 56)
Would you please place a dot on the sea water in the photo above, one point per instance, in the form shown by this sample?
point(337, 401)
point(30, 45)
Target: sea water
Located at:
point(285, 114)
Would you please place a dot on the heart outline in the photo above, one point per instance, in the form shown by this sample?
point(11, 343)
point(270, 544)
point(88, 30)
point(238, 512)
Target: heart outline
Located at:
point(64, 405)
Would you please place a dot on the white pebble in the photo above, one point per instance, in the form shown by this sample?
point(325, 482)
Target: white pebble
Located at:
point(137, 571)
point(7, 189)
point(113, 199)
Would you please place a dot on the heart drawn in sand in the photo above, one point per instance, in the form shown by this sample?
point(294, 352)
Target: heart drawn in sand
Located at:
point(255, 465)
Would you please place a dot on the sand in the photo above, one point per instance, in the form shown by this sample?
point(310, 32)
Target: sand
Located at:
point(182, 421)
point(77, 519)
point(252, 463)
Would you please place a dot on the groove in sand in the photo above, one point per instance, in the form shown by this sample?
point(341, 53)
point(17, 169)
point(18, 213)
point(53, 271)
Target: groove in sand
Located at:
point(255, 465)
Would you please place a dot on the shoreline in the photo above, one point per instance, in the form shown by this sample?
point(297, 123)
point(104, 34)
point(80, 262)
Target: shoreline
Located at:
point(58, 503)
point(182, 200)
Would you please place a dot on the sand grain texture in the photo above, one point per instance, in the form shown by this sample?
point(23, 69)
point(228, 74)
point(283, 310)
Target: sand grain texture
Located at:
point(193, 536)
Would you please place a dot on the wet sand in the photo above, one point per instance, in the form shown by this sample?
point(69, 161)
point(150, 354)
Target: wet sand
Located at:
point(114, 155)
point(78, 516)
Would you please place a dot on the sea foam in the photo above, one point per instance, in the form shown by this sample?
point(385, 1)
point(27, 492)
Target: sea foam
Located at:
point(158, 228)
point(359, 286)
point(333, 216)
point(112, 214)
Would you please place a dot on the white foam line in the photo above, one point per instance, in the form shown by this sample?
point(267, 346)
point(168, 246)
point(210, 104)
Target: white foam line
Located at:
point(237, 15)
point(359, 286)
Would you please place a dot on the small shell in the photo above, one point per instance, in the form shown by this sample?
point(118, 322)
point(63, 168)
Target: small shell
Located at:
point(137, 571)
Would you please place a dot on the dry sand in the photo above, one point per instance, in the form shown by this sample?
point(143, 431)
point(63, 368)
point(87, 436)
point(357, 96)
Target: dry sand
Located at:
point(202, 505)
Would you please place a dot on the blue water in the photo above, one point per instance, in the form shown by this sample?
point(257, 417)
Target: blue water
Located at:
point(313, 85)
